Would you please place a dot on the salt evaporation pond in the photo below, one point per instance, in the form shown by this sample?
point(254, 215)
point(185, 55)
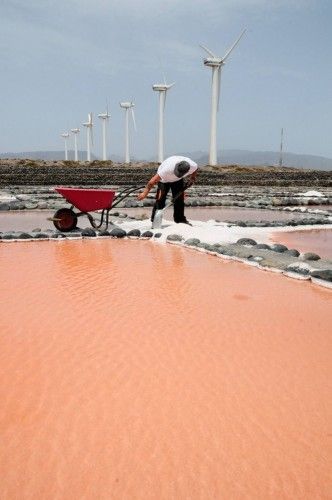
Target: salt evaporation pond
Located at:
point(136, 370)
point(312, 240)
point(28, 220)
point(229, 214)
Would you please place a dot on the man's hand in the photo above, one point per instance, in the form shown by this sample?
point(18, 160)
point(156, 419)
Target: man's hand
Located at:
point(189, 180)
point(154, 180)
point(143, 194)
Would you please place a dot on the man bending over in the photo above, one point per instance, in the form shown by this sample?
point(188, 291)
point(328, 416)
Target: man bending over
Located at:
point(176, 173)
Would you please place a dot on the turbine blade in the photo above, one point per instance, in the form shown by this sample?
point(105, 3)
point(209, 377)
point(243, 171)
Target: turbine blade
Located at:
point(133, 117)
point(170, 85)
point(233, 46)
point(164, 78)
point(208, 51)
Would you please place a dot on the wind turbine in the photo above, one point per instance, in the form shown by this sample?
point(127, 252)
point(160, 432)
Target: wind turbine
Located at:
point(104, 117)
point(162, 88)
point(89, 136)
point(75, 131)
point(65, 135)
point(216, 63)
point(128, 106)
point(281, 147)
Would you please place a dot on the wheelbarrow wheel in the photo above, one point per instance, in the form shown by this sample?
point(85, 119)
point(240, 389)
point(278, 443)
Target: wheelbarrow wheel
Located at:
point(65, 220)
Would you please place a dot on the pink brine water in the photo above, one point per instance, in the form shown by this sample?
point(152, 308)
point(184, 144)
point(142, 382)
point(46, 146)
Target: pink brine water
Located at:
point(140, 371)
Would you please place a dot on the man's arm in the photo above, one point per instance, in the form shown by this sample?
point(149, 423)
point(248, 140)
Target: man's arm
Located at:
point(152, 182)
point(193, 176)
point(191, 179)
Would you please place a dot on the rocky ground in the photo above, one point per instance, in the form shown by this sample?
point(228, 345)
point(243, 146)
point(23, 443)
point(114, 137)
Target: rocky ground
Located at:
point(44, 173)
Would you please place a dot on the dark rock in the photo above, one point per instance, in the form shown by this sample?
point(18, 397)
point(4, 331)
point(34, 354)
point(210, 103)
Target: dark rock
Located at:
point(118, 233)
point(42, 205)
point(24, 236)
point(4, 206)
point(148, 203)
point(192, 242)
point(279, 224)
point(240, 223)
point(262, 224)
point(209, 247)
point(104, 232)
point(147, 234)
point(324, 274)
point(292, 252)
point(31, 206)
point(174, 237)
point(17, 205)
point(88, 232)
point(131, 204)
point(310, 256)
point(222, 250)
point(263, 246)
point(74, 234)
point(39, 236)
point(277, 247)
point(297, 268)
point(134, 233)
point(228, 251)
point(205, 246)
point(8, 236)
point(157, 235)
point(246, 241)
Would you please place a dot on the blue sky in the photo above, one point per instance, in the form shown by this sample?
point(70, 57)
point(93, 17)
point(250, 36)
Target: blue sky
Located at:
point(60, 60)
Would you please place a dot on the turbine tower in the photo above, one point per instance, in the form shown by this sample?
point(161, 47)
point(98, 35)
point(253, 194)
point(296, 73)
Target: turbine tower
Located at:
point(216, 63)
point(104, 117)
point(65, 135)
point(128, 106)
point(89, 136)
point(162, 88)
point(281, 147)
point(75, 131)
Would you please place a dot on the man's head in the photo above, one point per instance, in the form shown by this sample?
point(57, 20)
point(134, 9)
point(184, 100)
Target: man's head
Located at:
point(181, 169)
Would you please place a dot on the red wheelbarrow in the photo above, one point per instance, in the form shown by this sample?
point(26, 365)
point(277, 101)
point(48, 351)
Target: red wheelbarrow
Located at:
point(86, 201)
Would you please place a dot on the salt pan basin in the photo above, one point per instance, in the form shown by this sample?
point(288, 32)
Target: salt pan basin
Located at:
point(131, 370)
point(310, 240)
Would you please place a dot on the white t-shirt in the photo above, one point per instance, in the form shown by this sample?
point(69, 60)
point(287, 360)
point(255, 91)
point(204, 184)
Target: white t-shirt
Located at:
point(166, 168)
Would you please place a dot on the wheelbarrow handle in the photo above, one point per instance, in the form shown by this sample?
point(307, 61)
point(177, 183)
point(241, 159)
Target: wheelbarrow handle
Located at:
point(124, 194)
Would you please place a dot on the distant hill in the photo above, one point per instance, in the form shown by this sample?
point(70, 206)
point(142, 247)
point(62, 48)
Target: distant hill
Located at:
point(56, 155)
point(226, 157)
point(263, 158)
point(46, 155)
